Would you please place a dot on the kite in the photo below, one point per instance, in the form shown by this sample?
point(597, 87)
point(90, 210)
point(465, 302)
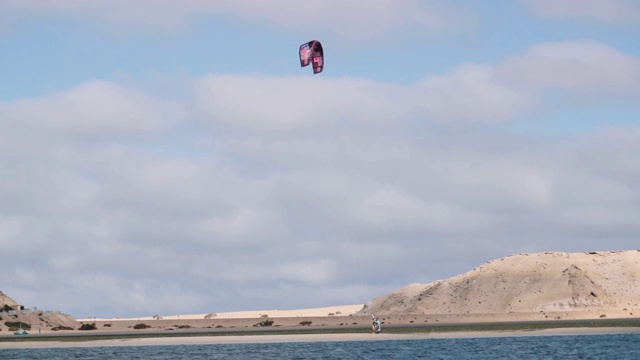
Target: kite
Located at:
point(312, 53)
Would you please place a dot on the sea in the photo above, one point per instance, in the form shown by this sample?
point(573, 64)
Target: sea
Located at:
point(609, 346)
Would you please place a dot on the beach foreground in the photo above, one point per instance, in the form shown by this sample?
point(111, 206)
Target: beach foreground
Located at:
point(339, 323)
point(132, 340)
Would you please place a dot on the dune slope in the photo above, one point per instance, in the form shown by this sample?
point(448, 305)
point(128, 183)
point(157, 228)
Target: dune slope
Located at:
point(551, 281)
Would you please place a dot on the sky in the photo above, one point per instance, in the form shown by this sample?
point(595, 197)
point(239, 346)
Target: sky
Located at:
point(172, 157)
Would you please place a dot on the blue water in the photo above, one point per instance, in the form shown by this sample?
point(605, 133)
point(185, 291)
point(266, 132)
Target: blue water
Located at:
point(616, 346)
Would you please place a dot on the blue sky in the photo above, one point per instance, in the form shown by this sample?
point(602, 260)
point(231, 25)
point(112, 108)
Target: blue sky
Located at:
point(165, 157)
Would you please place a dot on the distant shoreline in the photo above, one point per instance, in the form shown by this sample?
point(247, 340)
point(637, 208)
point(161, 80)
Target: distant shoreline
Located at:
point(317, 333)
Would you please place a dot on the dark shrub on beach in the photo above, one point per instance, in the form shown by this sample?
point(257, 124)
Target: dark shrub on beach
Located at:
point(58, 328)
point(305, 323)
point(267, 322)
point(17, 325)
point(141, 326)
point(87, 327)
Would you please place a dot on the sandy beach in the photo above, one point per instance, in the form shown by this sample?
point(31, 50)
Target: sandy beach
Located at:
point(271, 338)
point(337, 323)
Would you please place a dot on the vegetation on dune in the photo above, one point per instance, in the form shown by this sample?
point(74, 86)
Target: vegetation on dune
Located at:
point(88, 327)
point(17, 325)
point(267, 322)
point(58, 328)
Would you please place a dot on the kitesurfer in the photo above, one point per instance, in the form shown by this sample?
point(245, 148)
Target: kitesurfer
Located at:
point(376, 326)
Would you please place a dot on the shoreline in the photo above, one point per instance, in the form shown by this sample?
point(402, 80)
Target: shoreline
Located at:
point(271, 338)
point(156, 338)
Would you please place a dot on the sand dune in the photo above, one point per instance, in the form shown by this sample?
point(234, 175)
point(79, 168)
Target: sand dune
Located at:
point(336, 311)
point(6, 301)
point(528, 283)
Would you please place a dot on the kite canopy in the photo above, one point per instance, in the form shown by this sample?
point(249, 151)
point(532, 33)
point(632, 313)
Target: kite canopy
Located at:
point(312, 53)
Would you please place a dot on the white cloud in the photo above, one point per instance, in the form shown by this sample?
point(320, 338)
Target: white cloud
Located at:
point(293, 102)
point(94, 107)
point(10, 232)
point(244, 225)
point(312, 272)
point(432, 199)
point(63, 262)
point(580, 66)
point(500, 182)
point(124, 296)
point(72, 191)
point(470, 93)
point(393, 208)
point(608, 11)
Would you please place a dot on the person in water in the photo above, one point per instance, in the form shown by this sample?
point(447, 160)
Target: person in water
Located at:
point(376, 326)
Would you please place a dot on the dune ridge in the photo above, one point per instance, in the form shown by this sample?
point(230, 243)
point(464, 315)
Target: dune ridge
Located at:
point(6, 301)
point(334, 311)
point(527, 283)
